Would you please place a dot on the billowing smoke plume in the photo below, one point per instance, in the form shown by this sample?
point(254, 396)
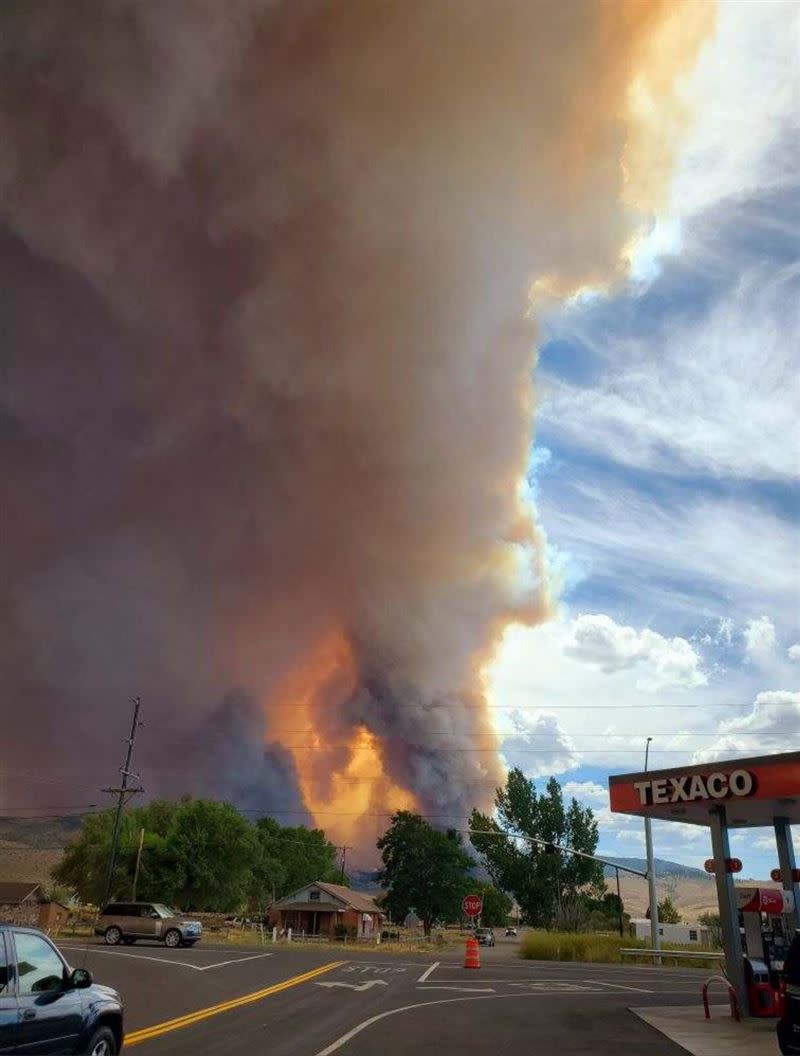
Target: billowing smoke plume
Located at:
point(267, 390)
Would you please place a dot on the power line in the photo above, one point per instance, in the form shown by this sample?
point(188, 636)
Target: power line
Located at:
point(450, 705)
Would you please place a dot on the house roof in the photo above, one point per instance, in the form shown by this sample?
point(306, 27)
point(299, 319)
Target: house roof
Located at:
point(12, 892)
point(354, 899)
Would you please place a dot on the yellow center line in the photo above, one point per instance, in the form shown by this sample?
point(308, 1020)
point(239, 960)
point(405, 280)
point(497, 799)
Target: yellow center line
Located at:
point(146, 1033)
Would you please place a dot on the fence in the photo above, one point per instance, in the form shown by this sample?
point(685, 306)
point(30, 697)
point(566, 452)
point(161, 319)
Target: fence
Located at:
point(678, 955)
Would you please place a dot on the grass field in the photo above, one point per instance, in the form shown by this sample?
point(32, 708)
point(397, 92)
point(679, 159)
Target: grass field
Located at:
point(588, 947)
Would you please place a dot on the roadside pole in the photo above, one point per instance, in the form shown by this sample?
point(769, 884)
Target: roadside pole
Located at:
point(121, 793)
point(138, 863)
point(655, 937)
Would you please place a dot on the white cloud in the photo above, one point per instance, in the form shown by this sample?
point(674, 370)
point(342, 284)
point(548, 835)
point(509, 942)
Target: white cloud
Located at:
point(773, 725)
point(586, 790)
point(767, 842)
point(598, 640)
point(793, 652)
point(759, 639)
point(725, 630)
point(603, 710)
point(742, 97)
point(538, 745)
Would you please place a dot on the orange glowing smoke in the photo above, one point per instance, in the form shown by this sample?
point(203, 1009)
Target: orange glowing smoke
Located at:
point(340, 769)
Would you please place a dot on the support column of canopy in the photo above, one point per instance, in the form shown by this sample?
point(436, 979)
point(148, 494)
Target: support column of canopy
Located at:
point(728, 909)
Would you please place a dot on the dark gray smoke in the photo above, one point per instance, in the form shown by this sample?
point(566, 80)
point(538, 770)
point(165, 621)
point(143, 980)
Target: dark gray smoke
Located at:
point(267, 372)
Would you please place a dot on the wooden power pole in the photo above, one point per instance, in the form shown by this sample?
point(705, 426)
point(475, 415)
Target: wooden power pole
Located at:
point(122, 794)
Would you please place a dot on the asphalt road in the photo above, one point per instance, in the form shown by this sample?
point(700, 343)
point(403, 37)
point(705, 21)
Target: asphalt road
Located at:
point(316, 1002)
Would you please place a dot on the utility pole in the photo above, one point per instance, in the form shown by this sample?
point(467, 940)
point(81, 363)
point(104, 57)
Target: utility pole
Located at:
point(655, 937)
point(619, 906)
point(121, 793)
point(138, 863)
point(344, 858)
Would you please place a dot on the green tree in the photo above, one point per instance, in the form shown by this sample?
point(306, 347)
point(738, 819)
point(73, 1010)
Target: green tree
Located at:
point(544, 881)
point(424, 870)
point(216, 848)
point(496, 904)
point(198, 854)
point(304, 855)
point(667, 911)
point(713, 922)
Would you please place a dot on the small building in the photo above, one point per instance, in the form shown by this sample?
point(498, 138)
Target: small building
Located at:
point(15, 893)
point(322, 908)
point(20, 901)
point(53, 915)
point(681, 934)
point(24, 903)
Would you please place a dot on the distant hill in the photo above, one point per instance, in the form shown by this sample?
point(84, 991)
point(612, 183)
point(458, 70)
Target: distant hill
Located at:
point(41, 833)
point(31, 847)
point(663, 868)
point(364, 880)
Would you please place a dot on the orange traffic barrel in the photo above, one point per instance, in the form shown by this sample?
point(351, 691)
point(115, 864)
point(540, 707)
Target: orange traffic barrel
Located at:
point(472, 957)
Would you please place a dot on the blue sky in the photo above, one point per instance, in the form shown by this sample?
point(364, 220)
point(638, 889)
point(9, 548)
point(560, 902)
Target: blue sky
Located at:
point(666, 466)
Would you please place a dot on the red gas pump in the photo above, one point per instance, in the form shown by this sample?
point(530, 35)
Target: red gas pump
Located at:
point(762, 978)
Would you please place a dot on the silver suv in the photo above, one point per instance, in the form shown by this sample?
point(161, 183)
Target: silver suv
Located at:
point(128, 921)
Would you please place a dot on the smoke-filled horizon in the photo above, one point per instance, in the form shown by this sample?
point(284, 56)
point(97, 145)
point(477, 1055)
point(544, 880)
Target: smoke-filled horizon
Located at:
point(268, 394)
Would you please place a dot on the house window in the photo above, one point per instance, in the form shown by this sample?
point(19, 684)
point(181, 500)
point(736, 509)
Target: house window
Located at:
point(313, 896)
point(692, 935)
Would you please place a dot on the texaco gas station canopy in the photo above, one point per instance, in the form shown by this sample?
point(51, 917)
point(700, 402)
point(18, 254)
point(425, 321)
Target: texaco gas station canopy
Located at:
point(753, 791)
point(736, 793)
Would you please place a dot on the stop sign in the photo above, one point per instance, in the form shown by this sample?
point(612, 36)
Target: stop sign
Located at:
point(472, 905)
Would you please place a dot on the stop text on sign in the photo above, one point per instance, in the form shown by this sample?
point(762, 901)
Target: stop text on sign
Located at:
point(686, 789)
point(472, 905)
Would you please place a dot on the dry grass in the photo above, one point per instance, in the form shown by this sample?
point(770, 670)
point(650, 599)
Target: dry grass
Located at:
point(590, 948)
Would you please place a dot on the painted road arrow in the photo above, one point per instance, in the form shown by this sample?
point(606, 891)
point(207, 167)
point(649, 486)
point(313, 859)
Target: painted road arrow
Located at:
point(357, 986)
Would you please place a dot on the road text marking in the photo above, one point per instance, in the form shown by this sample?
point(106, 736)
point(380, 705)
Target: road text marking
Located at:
point(357, 986)
point(225, 1006)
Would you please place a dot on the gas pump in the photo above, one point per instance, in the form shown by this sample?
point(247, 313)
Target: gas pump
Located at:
point(766, 936)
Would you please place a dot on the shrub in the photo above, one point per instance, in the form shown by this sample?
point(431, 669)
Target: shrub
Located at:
point(589, 947)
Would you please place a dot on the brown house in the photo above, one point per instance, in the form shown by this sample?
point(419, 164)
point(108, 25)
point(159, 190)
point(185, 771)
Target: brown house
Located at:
point(318, 908)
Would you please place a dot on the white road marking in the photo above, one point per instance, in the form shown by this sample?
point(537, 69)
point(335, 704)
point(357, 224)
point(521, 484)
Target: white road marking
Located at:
point(236, 960)
point(343, 1040)
point(428, 971)
point(166, 960)
point(549, 986)
point(619, 986)
point(467, 989)
point(357, 986)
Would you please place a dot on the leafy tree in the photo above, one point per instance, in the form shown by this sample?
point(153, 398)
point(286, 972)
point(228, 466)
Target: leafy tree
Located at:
point(496, 904)
point(544, 881)
point(198, 854)
point(667, 912)
point(713, 922)
point(304, 855)
point(216, 847)
point(84, 867)
point(424, 869)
